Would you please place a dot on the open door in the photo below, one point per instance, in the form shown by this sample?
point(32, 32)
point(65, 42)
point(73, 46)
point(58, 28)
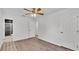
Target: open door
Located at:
point(8, 27)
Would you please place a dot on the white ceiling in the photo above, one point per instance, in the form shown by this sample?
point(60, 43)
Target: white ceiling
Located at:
point(20, 11)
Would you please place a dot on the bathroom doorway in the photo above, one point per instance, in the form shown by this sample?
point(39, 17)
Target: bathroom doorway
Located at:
point(8, 27)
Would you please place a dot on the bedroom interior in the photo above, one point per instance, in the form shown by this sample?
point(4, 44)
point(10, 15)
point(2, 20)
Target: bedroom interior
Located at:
point(39, 29)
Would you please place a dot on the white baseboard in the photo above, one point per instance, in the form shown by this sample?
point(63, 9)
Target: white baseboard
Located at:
point(57, 44)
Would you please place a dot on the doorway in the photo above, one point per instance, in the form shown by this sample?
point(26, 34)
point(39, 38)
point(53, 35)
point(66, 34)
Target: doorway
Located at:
point(8, 27)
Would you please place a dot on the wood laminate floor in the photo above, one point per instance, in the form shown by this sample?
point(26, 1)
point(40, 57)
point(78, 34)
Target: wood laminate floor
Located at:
point(31, 44)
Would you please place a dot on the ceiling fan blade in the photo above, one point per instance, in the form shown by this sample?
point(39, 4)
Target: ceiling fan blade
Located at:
point(33, 8)
point(39, 9)
point(27, 10)
point(28, 14)
point(40, 13)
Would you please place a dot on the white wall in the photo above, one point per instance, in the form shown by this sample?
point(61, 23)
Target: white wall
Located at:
point(63, 21)
point(1, 28)
point(50, 26)
point(20, 23)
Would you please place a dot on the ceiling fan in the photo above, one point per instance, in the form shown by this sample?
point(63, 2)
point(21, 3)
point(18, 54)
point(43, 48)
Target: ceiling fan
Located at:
point(34, 11)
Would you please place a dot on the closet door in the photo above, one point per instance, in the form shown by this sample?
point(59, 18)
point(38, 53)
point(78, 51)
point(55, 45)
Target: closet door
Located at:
point(67, 33)
point(8, 27)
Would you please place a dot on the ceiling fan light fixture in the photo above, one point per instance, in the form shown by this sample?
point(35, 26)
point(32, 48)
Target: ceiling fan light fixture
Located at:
point(34, 15)
point(34, 12)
